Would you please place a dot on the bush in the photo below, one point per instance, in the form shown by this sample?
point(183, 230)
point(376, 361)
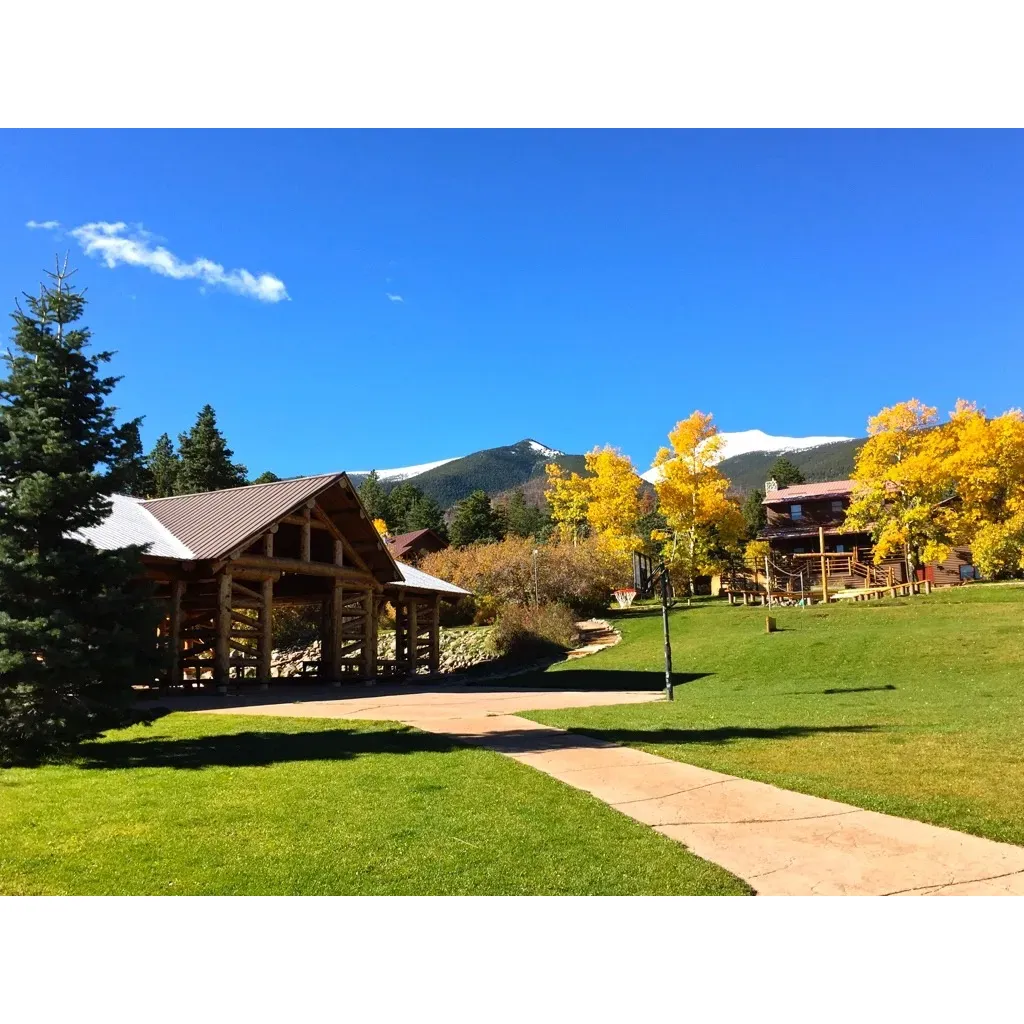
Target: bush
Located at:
point(295, 628)
point(525, 632)
point(580, 576)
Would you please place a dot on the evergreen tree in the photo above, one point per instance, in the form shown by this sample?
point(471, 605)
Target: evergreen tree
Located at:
point(375, 499)
point(130, 472)
point(76, 627)
point(521, 518)
point(475, 521)
point(401, 501)
point(163, 465)
point(206, 459)
point(425, 514)
point(266, 478)
point(754, 513)
point(784, 473)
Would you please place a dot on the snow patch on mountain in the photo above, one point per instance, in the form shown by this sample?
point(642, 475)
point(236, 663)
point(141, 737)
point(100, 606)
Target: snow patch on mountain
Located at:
point(550, 453)
point(405, 472)
point(740, 442)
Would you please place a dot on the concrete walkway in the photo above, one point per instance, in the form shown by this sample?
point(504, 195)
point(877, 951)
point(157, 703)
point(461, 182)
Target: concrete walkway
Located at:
point(782, 843)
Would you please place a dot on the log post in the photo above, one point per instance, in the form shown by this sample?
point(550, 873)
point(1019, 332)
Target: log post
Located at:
point(414, 629)
point(339, 552)
point(222, 659)
point(435, 637)
point(369, 665)
point(824, 565)
point(307, 532)
point(174, 634)
point(266, 640)
point(335, 639)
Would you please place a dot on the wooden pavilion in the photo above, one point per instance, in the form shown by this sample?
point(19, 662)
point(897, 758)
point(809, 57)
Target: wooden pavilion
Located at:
point(222, 560)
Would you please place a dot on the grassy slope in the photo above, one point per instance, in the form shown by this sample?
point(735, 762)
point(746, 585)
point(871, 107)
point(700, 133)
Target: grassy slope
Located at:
point(913, 707)
point(231, 805)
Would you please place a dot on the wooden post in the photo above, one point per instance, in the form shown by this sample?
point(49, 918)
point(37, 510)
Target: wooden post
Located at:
point(268, 545)
point(927, 586)
point(824, 566)
point(265, 656)
point(332, 644)
point(413, 631)
point(769, 624)
point(369, 665)
point(339, 552)
point(307, 514)
point(222, 659)
point(174, 637)
point(435, 637)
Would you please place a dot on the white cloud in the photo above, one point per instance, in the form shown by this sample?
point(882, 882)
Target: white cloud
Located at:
point(116, 243)
point(43, 225)
point(394, 298)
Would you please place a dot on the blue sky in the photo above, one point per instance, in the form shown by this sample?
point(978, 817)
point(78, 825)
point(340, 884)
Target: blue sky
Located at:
point(575, 287)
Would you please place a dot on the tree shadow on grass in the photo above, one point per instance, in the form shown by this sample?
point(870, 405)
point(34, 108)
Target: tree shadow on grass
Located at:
point(840, 689)
point(722, 735)
point(597, 679)
point(258, 749)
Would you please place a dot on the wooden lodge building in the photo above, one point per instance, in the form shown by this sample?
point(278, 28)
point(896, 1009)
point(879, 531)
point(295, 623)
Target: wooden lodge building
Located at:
point(223, 560)
point(805, 531)
point(411, 547)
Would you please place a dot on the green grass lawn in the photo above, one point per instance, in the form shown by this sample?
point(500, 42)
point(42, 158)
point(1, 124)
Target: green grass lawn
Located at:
point(912, 706)
point(214, 804)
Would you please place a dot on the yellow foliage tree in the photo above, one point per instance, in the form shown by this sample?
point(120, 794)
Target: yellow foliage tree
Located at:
point(381, 527)
point(692, 494)
point(569, 498)
point(985, 459)
point(904, 485)
point(614, 509)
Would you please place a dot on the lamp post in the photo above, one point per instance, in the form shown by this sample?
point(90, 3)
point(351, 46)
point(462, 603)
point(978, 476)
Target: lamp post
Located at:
point(669, 693)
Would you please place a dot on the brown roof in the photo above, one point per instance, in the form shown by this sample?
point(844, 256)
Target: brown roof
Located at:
point(215, 522)
point(403, 543)
point(828, 489)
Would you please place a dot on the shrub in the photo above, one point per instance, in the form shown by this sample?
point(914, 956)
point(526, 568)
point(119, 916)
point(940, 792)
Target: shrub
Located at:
point(580, 576)
point(524, 632)
point(295, 628)
point(458, 613)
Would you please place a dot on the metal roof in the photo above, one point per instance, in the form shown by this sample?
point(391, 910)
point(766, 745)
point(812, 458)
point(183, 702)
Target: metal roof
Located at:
point(130, 523)
point(416, 578)
point(828, 489)
point(213, 523)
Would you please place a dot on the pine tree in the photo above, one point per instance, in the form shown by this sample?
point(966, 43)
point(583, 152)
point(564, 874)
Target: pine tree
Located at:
point(522, 519)
point(475, 521)
point(425, 514)
point(206, 459)
point(163, 464)
point(754, 513)
point(266, 478)
point(130, 472)
point(785, 473)
point(375, 499)
point(401, 501)
point(76, 626)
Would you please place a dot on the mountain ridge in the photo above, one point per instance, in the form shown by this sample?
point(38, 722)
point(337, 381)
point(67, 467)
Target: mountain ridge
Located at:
point(501, 470)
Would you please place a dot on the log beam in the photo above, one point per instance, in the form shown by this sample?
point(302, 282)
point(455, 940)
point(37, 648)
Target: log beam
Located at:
point(302, 568)
point(306, 533)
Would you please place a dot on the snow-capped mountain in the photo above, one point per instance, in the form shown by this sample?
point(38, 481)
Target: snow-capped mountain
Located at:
point(741, 442)
point(405, 472)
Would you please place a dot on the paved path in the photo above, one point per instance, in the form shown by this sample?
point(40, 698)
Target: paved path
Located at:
point(782, 843)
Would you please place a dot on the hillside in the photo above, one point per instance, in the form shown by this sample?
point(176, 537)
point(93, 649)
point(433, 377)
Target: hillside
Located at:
point(494, 470)
point(825, 462)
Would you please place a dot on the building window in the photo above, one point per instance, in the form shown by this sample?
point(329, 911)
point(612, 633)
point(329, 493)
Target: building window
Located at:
point(796, 511)
point(837, 506)
point(841, 549)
